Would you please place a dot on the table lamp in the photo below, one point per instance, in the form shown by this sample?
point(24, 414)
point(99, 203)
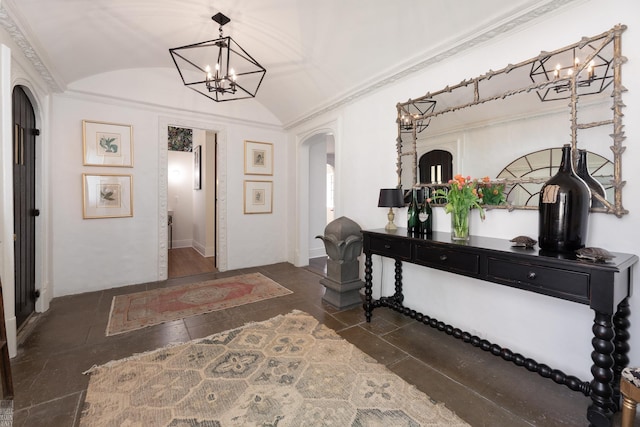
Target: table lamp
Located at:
point(391, 198)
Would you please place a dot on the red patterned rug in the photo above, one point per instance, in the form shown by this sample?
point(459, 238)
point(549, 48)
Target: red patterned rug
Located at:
point(141, 309)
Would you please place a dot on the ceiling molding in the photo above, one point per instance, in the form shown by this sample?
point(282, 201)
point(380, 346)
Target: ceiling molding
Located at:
point(16, 34)
point(483, 37)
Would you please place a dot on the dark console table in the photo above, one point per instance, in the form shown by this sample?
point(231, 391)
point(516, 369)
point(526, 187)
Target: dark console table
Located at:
point(605, 287)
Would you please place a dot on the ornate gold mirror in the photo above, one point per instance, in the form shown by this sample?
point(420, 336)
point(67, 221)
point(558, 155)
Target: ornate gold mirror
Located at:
point(496, 124)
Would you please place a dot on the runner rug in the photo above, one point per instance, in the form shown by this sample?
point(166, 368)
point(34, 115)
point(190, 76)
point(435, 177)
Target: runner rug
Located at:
point(289, 371)
point(141, 309)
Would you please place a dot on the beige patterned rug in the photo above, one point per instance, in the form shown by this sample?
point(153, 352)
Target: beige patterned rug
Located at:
point(141, 309)
point(288, 371)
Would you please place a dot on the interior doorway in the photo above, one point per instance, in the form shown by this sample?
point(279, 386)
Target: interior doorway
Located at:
point(322, 191)
point(24, 204)
point(191, 201)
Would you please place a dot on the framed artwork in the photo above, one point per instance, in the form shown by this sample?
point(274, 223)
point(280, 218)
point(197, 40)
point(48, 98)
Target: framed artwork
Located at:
point(258, 197)
point(107, 196)
point(258, 158)
point(197, 168)
point(107, 144)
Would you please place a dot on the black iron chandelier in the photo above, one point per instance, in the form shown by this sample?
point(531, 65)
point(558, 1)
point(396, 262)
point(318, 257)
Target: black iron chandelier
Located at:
point(592, 76)
point(409, 115)
point(219, 69)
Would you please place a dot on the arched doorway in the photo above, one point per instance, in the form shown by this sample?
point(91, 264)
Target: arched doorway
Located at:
point(435, 167)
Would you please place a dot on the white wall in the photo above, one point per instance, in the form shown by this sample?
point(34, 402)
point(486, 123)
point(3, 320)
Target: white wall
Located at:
point(180, 197)
point(549, 330)
point(96, 254)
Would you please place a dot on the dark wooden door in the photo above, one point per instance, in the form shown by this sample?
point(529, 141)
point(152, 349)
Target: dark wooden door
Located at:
point(24, 199)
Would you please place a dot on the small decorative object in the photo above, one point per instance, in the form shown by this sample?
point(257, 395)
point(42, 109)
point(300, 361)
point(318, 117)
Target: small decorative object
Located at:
point(197, 168)
point(492, 193)
point(107, 144)
point(107, 196)
point(594, 186)
point(343, 243)
point(594, 254)
point(563, 209)
point(390, 198)
point(461, 197)
point(523, 242)
point(258, 197)
point(258, 158)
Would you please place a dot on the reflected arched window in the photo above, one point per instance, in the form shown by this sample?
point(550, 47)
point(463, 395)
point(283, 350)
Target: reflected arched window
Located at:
point(435, 167)
point(544, 164)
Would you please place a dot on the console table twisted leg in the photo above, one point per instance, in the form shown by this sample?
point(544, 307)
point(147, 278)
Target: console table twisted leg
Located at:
point(368, 306)
point(621, 346)
point(600, 411)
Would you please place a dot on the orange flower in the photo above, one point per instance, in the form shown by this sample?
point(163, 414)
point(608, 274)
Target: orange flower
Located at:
point(486, 179)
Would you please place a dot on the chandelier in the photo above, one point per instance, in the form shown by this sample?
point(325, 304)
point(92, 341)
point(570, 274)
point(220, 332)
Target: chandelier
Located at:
point(410, 115)
point(219, 69)
point(590, 68)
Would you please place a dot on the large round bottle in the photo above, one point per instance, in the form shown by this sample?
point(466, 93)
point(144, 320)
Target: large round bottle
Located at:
point(583, 172)
point(564, 209)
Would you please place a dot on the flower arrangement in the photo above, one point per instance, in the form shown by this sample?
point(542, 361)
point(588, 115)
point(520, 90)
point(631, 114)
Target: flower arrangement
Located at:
point(461, 196)
point(491, 193)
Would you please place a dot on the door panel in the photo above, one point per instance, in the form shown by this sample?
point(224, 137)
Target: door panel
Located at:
point(24, 161)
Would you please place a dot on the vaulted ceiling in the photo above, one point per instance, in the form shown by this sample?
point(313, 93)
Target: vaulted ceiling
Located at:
point(318, 54)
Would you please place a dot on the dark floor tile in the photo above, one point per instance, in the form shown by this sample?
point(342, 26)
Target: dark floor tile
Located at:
point(467, 404)
point(374, 346)
point(60, 412)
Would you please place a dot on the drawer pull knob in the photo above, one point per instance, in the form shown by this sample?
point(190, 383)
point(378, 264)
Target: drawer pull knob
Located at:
point(443, 257)
point(531, 275)
point(387, 246)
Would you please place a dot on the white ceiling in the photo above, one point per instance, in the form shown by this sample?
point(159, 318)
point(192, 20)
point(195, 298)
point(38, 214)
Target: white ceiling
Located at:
point(317, 53)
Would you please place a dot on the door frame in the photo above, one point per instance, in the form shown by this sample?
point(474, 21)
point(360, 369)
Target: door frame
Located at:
point(163, 187)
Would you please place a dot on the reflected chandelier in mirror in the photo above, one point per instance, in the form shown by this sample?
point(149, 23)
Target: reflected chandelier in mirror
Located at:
point(522, 109)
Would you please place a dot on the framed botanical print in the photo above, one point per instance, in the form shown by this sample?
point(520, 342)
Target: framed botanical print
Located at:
point(258, 197)
point(107, 196)
point(258, 158)
point(197, 167)
point(107, 144)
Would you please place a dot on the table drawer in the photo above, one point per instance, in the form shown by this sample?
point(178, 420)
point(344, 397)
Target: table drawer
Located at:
point(551, 281)
point(444, 259)
point(392, 248)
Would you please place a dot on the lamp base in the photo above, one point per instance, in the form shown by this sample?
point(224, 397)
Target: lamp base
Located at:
point(390, 225)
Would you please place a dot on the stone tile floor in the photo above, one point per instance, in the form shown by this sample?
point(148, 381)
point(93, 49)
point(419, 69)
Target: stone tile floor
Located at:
point(481, 388)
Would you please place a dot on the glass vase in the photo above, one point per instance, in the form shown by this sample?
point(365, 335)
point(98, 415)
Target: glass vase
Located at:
point(460, 224)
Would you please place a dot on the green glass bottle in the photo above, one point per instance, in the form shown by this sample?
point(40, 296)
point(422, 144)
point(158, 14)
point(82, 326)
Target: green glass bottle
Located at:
point(413, 225)
point(424, 215)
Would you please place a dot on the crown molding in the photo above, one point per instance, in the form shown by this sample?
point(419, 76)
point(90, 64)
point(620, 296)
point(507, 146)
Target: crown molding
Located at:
point(490, 33)
point(19, 38)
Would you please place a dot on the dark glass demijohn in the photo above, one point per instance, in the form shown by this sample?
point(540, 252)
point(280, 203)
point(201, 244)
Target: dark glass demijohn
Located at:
point(564, 209)
point(594, 185)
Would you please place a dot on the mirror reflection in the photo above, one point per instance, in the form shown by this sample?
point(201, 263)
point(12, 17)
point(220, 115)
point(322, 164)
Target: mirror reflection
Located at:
point(510, 124)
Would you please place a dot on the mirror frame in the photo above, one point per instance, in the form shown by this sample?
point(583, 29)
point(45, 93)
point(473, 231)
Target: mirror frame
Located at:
point(408, 120)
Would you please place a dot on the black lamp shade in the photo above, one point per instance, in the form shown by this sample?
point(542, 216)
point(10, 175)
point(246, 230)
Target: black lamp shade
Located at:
point(391, 198)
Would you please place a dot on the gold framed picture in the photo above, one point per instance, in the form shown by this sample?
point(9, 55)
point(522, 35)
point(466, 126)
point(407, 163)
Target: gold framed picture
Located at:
point(107, 196)
point(258, 158)
point(258, 197)
point(107, 144)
